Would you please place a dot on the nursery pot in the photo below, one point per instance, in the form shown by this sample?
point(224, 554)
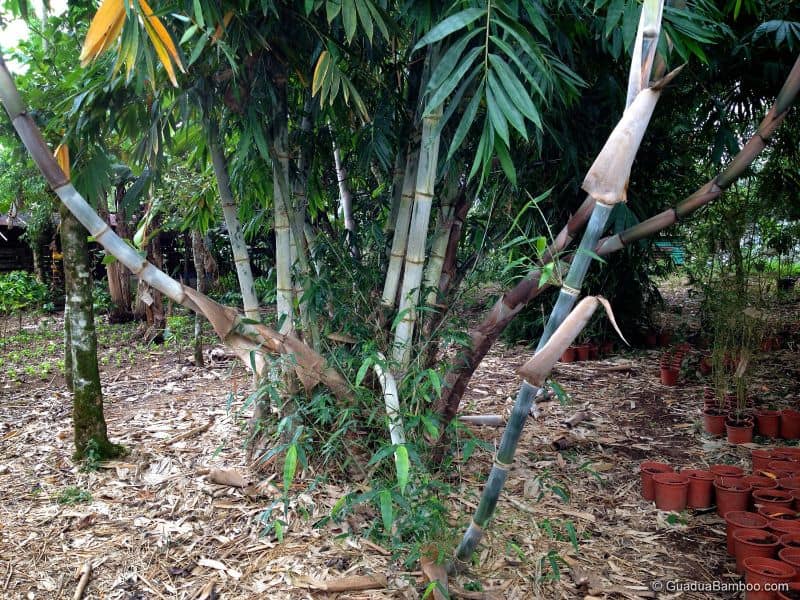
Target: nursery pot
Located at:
point(761, 459)
point(647, 470)
point(569, 355)
point(789, 483)
point(713, 422)
point(669, 375)
point(789, 466)
point(773, 499)
point(790, 424)
point(606, 348)
point(760, 483)
point(753, 542)
point(732, 494)
point(791, 556)
point(768, 423)
point(790, 593)
point(671, 490)
point(583, 352)
point(760, 571)
point(727, 471)
point(739, 431)
point(790, 540)
point(594, 351)
point(701, 488)
point(740, 519)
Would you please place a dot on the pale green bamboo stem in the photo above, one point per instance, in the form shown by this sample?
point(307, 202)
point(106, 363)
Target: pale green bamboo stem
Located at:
point(283, 235)
point(441, 237)
point(417, 236)
point(400, 239)
point(345, 201)
point(241, 257)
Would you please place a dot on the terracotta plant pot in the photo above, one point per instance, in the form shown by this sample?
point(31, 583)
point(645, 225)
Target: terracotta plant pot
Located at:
point(790, 424)
point(569, 355)
point(647, 470)
point(705, 366)
point(789, 483)
point(790, 540)
point(714, 422)
point(740, 519)
point(732, 494)
point(788, 466)
point(780, 527)
point(669, 376)
point(761, 483)
point(583, 352)
point(701, 488)
point(792, 593)
point(761, 459)
point(726, 471)
point(773, 499)
point(606, 348)
point(760, 571)
point(594, 351)
point(671, 491)
point(739, 432)
point(753, 542)
point(768, 423)
point(791, 556)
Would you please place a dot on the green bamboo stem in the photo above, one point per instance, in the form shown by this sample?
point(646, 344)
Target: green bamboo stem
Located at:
point(441, 237)
point(417, 236)
point(397, 254)
point(345, 201)
point(283, 235)
point(241, 257)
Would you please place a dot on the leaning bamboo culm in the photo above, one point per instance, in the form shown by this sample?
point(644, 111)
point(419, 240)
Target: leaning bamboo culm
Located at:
point(606, 188)
point(243, 337)
point(535, 373)
point(516, 299)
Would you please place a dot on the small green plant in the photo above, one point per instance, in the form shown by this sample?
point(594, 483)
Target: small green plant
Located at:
point(93, 457)
point(74, 495)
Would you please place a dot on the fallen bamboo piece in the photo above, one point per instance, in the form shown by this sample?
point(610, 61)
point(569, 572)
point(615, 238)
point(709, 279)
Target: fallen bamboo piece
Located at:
point(85, 573)
point(351, 583)
point(562, 443)
point(191, 433)
point(485, 420)
point(578, 417)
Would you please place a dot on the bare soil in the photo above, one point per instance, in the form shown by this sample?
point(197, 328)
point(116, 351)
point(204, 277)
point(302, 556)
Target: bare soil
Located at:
point(155, 525)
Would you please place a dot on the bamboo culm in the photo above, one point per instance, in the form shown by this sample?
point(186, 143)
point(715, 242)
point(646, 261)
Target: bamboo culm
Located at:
point(417, 237)
point(397, 254)
point(241, 257)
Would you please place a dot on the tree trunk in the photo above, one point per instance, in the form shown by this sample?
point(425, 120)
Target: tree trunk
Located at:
point(81, 344)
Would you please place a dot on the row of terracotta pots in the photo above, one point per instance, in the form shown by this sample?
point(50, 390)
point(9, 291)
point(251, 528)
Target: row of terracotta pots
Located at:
point(658, 338)
point(587, 351)
point(769, 423)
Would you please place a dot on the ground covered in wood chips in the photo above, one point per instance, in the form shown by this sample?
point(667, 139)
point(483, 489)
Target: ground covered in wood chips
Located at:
point(571, 524)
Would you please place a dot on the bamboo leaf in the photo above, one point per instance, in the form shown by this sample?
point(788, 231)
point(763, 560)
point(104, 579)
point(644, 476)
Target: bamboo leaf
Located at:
point(505, 161)
point(320, 72)
point(512, 114)
point(448, 62)
point(452, 81)
point(362, 371)
point(402, 465)
point(289, 467)
point(482, 143)
point(387, 514)
point(516, 92)
point(496, 116)
point(613, 16)
point(365, 18)
point(379, 21)
point(332, 9)
point(455, 100)
point(349, 19)
point(466, 121)
point(198, 14)
point(450, 25)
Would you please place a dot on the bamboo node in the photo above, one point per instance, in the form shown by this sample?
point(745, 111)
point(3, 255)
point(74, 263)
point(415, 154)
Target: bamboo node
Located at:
point(501, 465)
point(570, 290)
point(106, 228)
point(475, 526)
point(423, 194)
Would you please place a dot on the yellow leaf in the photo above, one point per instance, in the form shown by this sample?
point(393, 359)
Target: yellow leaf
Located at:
point(163, 56)
point(160, 32)
point(221, 26)
point(319, 72)
point(103, 30)
point(62, 158)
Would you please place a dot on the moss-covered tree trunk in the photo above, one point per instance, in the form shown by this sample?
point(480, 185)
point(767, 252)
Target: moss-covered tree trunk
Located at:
point(81, 344)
